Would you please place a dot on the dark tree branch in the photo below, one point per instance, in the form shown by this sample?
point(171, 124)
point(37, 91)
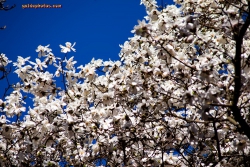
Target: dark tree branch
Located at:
point(217, 141)
point(2, 7)
point(237, 80)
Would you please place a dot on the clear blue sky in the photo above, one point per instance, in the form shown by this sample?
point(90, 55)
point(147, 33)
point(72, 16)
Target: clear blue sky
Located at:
point(97, 27)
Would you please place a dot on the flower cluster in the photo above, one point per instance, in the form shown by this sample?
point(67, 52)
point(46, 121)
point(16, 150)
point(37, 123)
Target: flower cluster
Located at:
point(179, 96)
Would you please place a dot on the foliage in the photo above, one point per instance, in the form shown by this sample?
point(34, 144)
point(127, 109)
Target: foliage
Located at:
point(179, 96)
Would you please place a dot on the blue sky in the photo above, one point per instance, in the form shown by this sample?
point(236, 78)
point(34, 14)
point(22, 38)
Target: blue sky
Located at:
point(97, 27)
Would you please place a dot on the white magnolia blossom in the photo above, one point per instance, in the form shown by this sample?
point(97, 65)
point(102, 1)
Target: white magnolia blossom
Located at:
point(4, 61)
point(43, 50)
point(67, 48)
point(179, 96)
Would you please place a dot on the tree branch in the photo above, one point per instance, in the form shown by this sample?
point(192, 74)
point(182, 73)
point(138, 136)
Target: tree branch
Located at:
point(237, 80)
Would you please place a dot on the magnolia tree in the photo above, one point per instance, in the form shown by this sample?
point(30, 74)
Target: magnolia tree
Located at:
point(179, 96)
